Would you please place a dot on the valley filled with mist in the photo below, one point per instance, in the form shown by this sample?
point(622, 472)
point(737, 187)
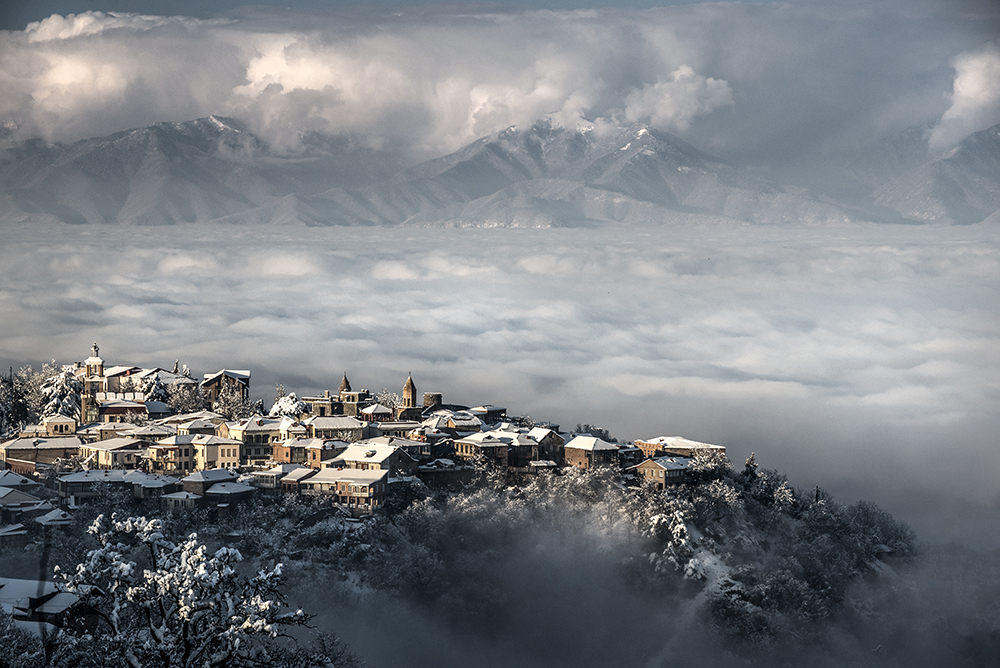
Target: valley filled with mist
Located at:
point(861, 358)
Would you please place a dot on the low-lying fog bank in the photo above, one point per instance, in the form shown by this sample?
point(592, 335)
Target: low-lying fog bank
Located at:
point(862, 359)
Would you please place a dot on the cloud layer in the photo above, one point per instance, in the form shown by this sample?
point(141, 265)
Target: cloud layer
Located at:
point(861, 359)
point(764, 82)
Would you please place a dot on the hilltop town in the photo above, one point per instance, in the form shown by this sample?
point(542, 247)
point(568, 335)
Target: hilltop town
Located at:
point(188, 443)
point(404, 495)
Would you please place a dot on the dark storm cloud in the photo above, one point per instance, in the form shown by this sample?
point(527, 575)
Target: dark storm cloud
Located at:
point(755, 81)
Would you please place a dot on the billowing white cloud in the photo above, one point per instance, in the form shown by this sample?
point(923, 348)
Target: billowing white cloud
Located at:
point(58, 27)
point(672, 104)
point(429, 82)
point(975, 99)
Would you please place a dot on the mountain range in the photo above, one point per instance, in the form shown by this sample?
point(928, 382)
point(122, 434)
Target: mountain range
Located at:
point(215, 170)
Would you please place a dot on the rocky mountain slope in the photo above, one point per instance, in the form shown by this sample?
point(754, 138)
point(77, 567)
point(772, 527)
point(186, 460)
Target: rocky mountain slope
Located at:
point(214, 170)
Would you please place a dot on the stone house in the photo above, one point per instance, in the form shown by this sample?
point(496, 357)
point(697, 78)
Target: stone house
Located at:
point(371, 457)
point(663, 471)
point(675, 445)
point(343, 428)
point(59, 425)
point(588, 452)
point(324, 406)
point(490, 445)
point(291, 483)
point(28, 455)
point(551, 446)
point(200, 481)
point(115, 453)
point(362, 491)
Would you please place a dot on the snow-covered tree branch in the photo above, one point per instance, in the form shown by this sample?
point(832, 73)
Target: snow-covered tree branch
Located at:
point(177, 605)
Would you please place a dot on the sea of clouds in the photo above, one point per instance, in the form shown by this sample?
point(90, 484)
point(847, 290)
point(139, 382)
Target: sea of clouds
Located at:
point(863, 359)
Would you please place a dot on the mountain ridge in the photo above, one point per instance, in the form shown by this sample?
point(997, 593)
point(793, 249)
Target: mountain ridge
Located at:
point(215, 170)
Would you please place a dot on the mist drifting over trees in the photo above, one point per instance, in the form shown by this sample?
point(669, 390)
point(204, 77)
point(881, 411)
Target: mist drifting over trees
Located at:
point(738, 568)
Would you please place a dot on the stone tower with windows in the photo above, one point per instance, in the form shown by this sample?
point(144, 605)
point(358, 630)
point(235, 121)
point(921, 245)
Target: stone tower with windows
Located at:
point(93, 383)
point(409, 393)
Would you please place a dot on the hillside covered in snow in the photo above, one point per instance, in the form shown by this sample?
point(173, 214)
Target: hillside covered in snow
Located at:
point(545, 175)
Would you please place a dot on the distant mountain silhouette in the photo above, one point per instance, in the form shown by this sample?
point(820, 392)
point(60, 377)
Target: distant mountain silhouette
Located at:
point(961, 187)
point(213, 169)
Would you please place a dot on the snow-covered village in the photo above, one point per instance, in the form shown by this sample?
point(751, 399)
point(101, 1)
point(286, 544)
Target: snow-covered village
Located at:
point(153, 516)
point(202, 443)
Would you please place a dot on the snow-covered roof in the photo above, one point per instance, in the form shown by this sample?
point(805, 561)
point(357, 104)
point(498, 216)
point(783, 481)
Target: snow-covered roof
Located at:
point(242, 375)
point(13, 530)
point(181, 495)
point(392, 441)
point(197, 424)
point(335, 422)
point(667, 463)
point(591, 443)
point(228, 489)
point(43, 443)
point(56, 517)
point(435, 422)
point(97, 427)
point(298, 474)
point(117, 443)
point(197, 415)
point(370, 452)
point(681, 442)
point(538, 433)
point(152, 430)
point(61, 419)
point(291, 425)
point(259, 423)
point(118, 370)
point(150, 480)
point(211, 475)
point(10, 496)
point(16, 593)
point(123, 403)
point(279, 470)
point(356, 476)
point(95, 475)
point(13, 480)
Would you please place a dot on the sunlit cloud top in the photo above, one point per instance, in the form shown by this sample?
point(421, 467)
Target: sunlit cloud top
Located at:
point(762, 81)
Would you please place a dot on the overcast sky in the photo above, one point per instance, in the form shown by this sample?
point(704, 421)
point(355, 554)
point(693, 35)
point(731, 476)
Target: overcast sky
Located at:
point(756, 82)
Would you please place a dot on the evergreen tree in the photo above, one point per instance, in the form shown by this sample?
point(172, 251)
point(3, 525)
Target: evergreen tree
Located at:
point(185, 397)
point(288, 404)
point(231, 404)
point(60, 394)
point(153, 389)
